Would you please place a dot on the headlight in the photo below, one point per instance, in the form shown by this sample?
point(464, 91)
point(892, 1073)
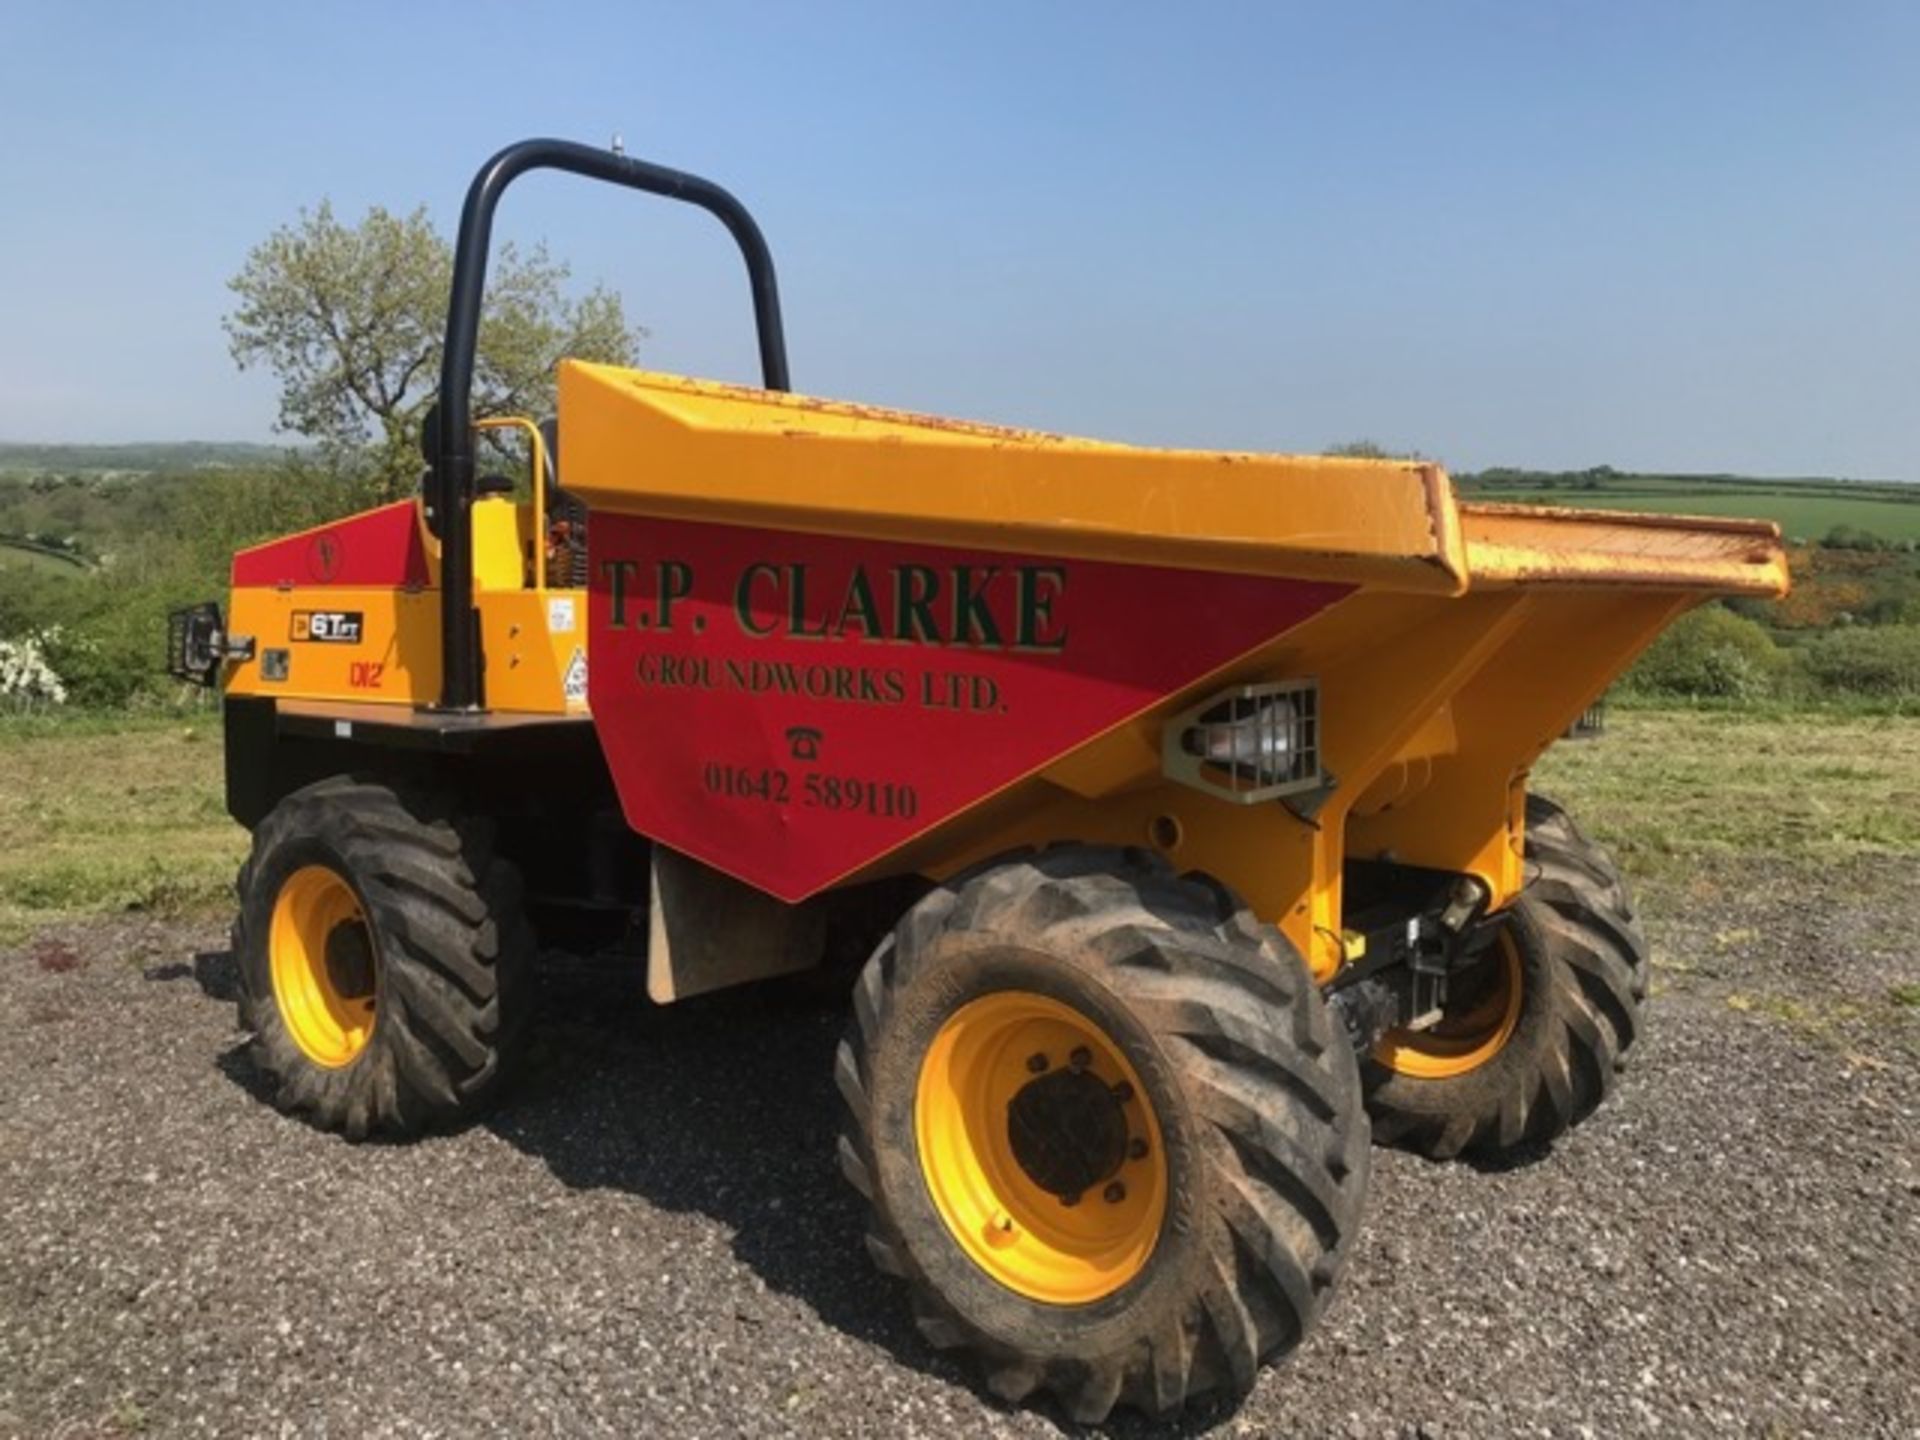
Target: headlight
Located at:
point(1248, 734)
point(1256, 742)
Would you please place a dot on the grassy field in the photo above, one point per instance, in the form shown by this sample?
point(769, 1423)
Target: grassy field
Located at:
point(1668, 789)
point(160, 457)
point(1807, 509)
point(99, 816)
point(1798, 516)
point(13, 552)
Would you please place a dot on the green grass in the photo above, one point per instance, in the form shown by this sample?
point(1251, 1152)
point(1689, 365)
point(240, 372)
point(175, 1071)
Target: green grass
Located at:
point(14, 552)
point(1804, 516)
point(104, 815)
point(1669, 787)
point(1806, 508)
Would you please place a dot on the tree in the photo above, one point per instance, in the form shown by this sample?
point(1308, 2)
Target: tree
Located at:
point(350, 317)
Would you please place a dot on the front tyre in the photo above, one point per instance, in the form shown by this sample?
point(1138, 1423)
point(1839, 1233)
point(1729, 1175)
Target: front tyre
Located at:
point(384, 960)
point(1535, 1031)
point(1108, 1134)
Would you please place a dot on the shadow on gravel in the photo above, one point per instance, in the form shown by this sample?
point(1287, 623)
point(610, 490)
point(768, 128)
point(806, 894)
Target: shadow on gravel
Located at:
point(217, 974)
point(1521, 1157)
point(722, 1106)
point(212, 970)
point(236, 1063)
point(726, 1106)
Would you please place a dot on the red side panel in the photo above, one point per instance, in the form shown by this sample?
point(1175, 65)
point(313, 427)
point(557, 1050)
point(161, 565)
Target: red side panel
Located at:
point(788, 708)
point(377, 547)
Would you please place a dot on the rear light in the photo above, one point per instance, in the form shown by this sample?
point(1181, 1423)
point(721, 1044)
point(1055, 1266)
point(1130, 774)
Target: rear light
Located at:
point(198, 645)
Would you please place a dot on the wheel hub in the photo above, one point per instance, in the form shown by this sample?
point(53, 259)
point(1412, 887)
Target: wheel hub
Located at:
point(1040, 1148)
point(1068, 1132)
point(349, 959)
point(324, 965)
point(1483, 1010)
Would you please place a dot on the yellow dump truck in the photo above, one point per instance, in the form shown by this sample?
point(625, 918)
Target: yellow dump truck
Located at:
point(1179, 798)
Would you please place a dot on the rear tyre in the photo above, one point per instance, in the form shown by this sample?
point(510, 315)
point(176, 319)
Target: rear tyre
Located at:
point(1536, 1031)
point(1109, 1136)
point(384, 960)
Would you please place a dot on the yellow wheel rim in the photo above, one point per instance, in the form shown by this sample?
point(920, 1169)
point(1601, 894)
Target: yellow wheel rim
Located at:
point(1039, 1148)
point(322, 957)
point(1459, 1044)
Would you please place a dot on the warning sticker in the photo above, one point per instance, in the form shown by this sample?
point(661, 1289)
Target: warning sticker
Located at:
point(560, 615)
point(574, 684)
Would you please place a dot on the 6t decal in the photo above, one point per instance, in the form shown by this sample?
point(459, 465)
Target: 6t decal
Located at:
point(332, 627)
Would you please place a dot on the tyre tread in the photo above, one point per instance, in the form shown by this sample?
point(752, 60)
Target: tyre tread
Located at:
point(456, 952)
point(1246, 1032)
point(1598, 967)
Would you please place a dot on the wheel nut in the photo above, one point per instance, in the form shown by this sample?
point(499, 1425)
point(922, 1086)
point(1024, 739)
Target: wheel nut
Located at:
point(1037, 1064)
point(1081, 1057)
point(1072, 1197)
point(1136, 1149)
point(1114, 1193)
point(1123, 1092)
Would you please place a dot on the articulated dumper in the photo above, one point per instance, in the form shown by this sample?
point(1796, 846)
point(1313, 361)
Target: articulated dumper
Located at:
point(1181, 799)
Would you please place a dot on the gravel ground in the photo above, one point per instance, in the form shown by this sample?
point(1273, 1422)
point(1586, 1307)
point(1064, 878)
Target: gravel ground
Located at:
point(652, 1237)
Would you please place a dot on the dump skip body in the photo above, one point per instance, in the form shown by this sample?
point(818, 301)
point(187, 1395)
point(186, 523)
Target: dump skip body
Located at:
point(829, 642)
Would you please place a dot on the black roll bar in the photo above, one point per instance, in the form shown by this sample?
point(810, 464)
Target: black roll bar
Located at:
point(450, 484)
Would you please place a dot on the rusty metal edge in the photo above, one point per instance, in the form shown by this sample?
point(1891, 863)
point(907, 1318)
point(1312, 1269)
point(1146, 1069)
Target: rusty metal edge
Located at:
point(1639, 519)
point(1448, 530)
point(1757, 567)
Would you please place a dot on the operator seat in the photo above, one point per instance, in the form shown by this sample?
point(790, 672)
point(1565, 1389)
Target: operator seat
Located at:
point(566, 519)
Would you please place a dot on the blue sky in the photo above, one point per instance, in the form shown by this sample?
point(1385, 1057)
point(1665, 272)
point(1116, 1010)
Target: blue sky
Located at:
point(1679, 235)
